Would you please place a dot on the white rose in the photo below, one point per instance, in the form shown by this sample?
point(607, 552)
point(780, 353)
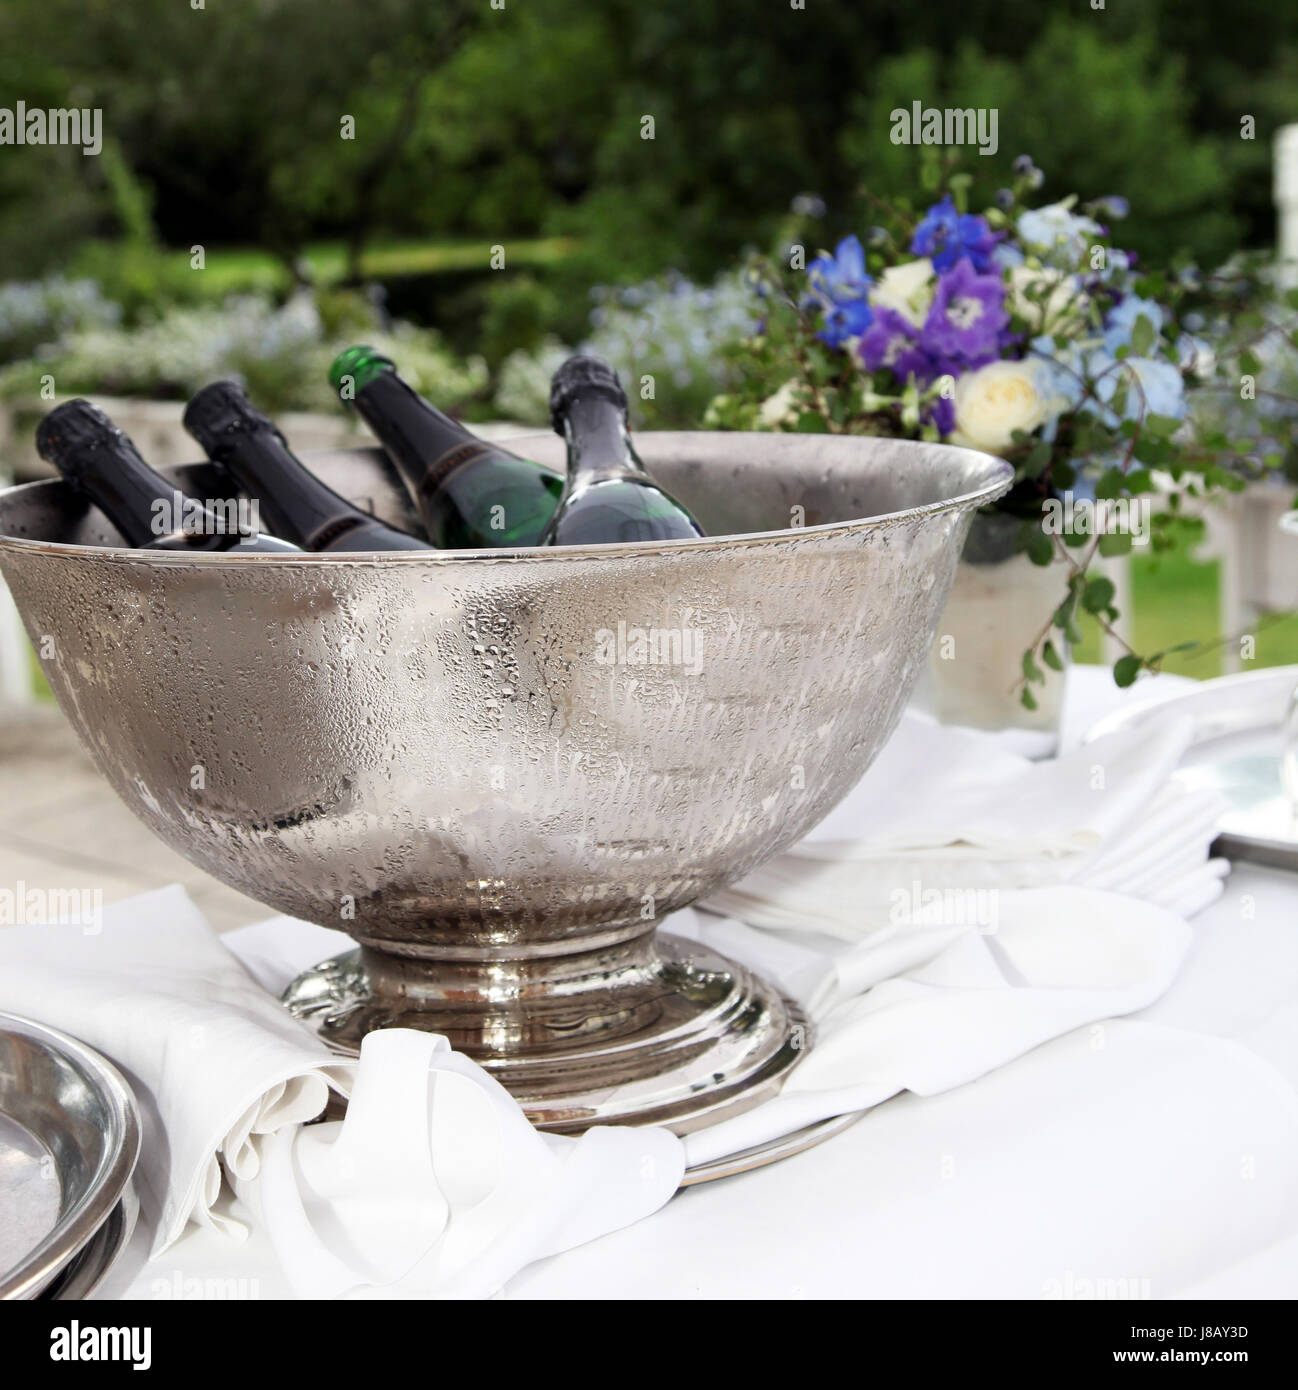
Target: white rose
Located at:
point(996, 400)
point(782, 407)
point(907, 289)
point(1057, 306)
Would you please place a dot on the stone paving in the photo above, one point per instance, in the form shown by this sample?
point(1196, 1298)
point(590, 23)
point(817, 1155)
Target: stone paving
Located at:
point(62, 826)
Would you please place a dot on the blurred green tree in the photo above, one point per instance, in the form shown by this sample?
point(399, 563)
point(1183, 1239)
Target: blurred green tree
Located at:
point(1097, 116)
point(474, 121)
point(251, 122)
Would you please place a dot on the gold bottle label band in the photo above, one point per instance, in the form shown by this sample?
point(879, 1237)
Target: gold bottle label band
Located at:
point(437, 473)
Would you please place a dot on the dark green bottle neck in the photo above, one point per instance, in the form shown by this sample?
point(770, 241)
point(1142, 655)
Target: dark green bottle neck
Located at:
point(599, 445)
point(414, 432)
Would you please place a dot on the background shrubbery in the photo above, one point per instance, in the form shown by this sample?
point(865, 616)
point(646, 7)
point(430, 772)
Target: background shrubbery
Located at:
point(222, 124)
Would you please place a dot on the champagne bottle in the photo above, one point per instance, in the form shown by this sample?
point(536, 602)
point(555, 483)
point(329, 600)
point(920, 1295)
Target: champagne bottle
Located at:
point(150, 511)
point(294, 501)
point(471, 494)
point(609, 496)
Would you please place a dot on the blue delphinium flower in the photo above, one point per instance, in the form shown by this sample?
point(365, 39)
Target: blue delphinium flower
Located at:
point(1158, 388)
point(1117, 264)
point(839, 285)
point(1120, 321)
point(845, 321)
point(967, 318)
point(946, 236)
point(1059, 235)
point(1061, 372)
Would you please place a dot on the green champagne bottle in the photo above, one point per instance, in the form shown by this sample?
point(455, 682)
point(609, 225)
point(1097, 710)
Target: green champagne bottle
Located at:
point(471, 494)
point(609, 496)
point(297, 504)
point(151, 513)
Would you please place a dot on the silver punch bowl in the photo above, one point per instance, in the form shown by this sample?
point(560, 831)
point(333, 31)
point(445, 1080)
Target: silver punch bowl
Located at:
point(498, 771)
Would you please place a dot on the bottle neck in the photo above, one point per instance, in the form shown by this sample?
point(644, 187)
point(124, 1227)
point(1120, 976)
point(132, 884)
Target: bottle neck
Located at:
point(142, 504)
point(292, 502)
point(416, 435)
point(599, 445)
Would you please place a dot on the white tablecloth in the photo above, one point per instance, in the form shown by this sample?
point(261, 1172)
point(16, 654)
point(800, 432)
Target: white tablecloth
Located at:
point(1069, 1194)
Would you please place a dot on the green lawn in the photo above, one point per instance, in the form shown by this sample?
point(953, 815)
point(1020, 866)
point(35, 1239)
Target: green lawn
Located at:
point(234, 269)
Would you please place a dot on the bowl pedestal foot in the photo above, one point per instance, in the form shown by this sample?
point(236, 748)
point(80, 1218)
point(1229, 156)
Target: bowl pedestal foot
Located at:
point(656, 1030)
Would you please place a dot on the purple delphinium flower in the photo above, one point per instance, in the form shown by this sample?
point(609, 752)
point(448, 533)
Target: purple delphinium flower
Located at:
point(967, 318)
point(890, 342)
point(941, 412)
point(946, 236)
point(839, 285)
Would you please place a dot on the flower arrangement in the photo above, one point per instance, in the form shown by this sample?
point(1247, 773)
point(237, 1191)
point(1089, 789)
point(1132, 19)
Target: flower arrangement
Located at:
point(1027, 332)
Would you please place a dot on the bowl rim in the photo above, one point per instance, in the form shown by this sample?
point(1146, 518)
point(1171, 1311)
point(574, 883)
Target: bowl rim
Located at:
point(1000, 477)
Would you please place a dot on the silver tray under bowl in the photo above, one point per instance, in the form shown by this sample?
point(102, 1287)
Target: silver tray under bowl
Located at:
point(498, 771)
point(69, 1140)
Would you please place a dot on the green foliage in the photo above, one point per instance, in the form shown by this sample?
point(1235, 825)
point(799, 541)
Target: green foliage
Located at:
point(520, 309)
point(1094, 111)
point(282, 353)
point(223, 124)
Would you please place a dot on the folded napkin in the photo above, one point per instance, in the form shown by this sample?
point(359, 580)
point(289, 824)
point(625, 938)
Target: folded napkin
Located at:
point(215, 1061)
point(947, 809)
point(927, 1007)
point(434, 1183)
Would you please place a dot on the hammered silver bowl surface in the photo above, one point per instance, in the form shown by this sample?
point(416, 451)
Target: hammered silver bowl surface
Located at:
point(473, 763)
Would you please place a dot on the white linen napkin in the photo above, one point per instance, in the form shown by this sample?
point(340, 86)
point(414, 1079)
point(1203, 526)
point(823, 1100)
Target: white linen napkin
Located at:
point(434, 1183)
point(215, 1061)
point(945, 808)
point(927, 1007)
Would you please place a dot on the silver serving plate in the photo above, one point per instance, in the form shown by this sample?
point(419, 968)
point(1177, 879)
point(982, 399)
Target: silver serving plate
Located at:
point(1237, 750)
point(89, 1267)
point(69, 1140)
point(471, 763)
